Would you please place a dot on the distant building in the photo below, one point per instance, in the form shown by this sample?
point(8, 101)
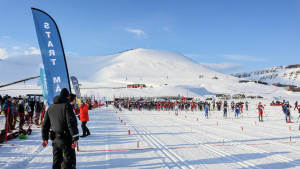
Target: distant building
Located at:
point(239, 96)
point(136, 86)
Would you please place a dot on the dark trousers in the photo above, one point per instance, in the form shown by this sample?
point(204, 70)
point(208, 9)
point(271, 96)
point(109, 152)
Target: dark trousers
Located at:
point(37, 118)
point(22, 120)
point(9, 121)
point(14, 122)
point(63, 155)
point(225, 113)
point(85, 130)
point(30, 115)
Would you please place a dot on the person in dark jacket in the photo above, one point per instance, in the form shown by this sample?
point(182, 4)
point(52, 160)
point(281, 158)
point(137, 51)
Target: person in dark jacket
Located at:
point(286, 110)
point(14, 113)
point(21, 112)
point(61, 119)
point(74, 105)
point(30, 113)
point(38, 107)
point(225, 109)
point(1, 102)
point(8, 108)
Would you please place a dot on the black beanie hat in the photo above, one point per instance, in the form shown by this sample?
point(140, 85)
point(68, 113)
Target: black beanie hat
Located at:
point(72, 97)
point(64, 93)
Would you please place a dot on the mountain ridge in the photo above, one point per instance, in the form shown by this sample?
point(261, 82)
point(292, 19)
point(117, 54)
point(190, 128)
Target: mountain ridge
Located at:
point(286, 75)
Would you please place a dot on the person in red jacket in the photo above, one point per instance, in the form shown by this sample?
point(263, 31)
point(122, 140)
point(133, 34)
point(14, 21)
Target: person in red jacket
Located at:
point(84, 118)
point(260, 108)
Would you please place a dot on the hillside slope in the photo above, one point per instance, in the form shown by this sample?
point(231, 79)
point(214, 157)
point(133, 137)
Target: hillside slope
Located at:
point(164, 73)
point(288, 75)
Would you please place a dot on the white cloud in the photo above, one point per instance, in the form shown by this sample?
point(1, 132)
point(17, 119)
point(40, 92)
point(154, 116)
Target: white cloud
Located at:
point(222, 67)
point(137, 32)
point(32, 51)
point(16, 47)
point(244, 58)
point(3, 53)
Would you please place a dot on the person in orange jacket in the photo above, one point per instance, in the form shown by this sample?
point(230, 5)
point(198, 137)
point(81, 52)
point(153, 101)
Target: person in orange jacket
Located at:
point(84, 118)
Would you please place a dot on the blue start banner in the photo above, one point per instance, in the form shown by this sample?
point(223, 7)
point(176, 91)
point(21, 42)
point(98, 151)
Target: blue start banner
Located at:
point(53, 55)
point(44, 84)
point(76, 86)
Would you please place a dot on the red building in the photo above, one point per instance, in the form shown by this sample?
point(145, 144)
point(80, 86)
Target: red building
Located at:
point(136, 86)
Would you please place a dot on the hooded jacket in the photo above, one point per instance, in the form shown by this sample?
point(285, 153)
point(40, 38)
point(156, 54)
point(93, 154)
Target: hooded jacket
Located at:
point(61, 118)
point(84, 113)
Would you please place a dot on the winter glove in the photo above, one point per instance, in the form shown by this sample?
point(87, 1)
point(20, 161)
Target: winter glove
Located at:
point(44, 143)
point(74, 145)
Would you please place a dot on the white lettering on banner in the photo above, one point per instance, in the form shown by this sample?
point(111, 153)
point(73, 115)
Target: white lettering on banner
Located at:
point(50, 44)
point(56, 79)
point(53, 61)
point(46, 25)
point(51, 52)
point(48, 34)
point(58, 89)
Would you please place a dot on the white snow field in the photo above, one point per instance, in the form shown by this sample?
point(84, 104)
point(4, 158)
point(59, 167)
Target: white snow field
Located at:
point(159, 139)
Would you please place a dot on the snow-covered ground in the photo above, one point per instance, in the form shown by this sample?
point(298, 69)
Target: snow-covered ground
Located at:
point(159, 139)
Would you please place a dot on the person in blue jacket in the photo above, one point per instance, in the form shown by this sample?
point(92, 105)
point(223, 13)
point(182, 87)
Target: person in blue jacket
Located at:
point(237, 110)
point(206, 108)
point(286, 110)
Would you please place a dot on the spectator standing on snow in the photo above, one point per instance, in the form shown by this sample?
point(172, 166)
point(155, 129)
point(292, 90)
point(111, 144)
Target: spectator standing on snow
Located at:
point(247, 105)
point(260, 108)
point(176, 109)
point(296, 105)
point(286, 110)
point(237, 110)
point(61, 118)
point(75, 105)
point(298, 108)
point(21, 112)
point(27, 109)
point(30, 113)
point(225, 109)
point(38, 107)
point(7, 107)
point(84, 118)
point(1, 101)
point(242, 106)
point(206, 108)
point(14, 113)
point(232, 106)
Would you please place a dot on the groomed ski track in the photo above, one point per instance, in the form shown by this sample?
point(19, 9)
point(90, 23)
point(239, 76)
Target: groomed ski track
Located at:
point(159, 139)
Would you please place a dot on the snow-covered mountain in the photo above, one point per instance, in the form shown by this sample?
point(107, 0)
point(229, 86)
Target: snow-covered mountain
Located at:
point(164, 73)
point(287, 75)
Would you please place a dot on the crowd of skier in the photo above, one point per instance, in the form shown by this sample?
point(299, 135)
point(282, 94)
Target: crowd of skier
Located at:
point(25, 111)
point(237, 107)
